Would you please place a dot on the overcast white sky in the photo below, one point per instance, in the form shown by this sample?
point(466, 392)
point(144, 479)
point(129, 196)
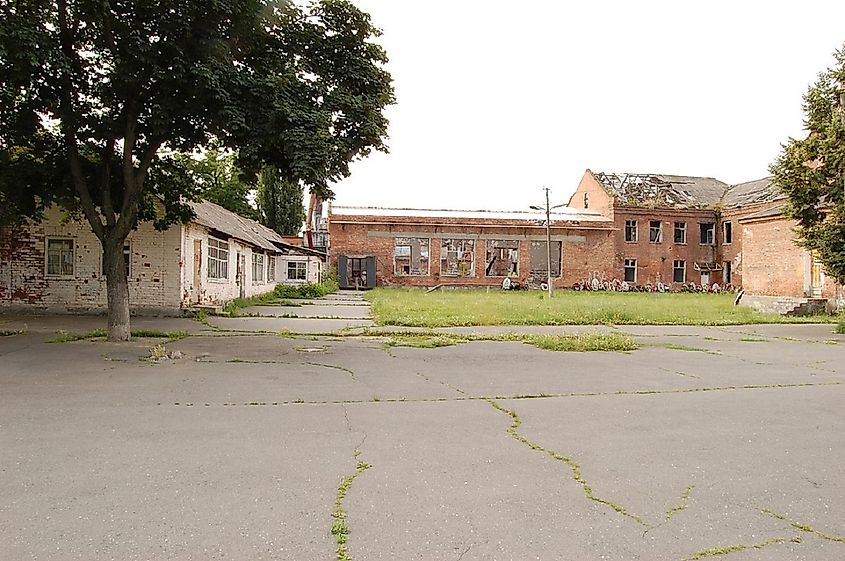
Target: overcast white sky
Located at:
point(496, 99)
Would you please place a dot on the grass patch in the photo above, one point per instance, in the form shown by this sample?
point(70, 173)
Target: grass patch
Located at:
point(102, 334)
point(753, 340)
point(840, 327)
point(576, 342)
point(675, 347)
point(452, 308)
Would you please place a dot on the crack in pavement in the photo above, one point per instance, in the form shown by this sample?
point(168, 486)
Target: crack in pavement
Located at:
point(803, 527)
point(517, 397)
point(575, 468)
point(735, 548)
point(340, 527)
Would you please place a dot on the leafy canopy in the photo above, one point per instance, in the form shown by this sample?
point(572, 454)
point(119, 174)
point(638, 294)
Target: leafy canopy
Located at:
point(811, 171)
point(93, 92)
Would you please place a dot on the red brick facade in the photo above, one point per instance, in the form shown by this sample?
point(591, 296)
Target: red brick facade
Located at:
point(587, 246)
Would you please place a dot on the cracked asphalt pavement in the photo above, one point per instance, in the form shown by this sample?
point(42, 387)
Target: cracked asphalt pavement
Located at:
point(723, 443)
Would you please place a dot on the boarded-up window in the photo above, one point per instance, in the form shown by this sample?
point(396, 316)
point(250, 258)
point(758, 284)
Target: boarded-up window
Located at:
point(457, 258)
point(539, 259)
point(410, 257)
point(502, 258)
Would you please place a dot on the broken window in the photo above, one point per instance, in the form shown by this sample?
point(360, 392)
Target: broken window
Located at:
point(457, 258)
point(679, 270)
point(655, 232)
point(680, 232)
point(502, 258)
point(586, 200)
point(410, 257)
point(630, 270)
point(356, 272)
point(727, 275)
point(708, 233)
point(630, 230)
point(727, 232)
point(539, 259)
point(60, 257)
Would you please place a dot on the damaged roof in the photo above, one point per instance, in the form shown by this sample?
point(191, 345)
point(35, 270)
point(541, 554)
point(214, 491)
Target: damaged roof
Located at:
point(682, 191)
point(752, 192)
point(216, 217)
point(678, 191)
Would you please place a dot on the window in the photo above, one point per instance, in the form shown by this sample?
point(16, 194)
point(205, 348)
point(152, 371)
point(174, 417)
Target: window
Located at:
point(457, 258)
point(630, 270)
point(410, 257)
point(60, 257)
point(586, 200)
point(271, 269)
point(680, 232)
point(218, 259)
point(127, 261)
point(655, 232)
point(502, 258)
point(257, 268)
point(708, 232)
point(539, 265)
point(630, 230)
point(727, 274)
point(727, 233)
point(679, 269)
point(297, 270)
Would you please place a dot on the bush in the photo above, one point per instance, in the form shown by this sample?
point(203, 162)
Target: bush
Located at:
point(840, 328)
point(307, 290)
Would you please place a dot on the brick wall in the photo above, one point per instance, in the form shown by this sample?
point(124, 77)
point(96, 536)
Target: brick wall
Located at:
point(775, 265)
point(585, 249)
point(597, 199)
point(25, 284)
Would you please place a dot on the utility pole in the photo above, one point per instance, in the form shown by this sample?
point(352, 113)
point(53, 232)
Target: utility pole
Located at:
point(549, 244)
point(842, 115)
point(548, 209)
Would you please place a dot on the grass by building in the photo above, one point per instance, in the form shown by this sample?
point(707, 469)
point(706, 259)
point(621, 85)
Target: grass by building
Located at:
point(452, 308)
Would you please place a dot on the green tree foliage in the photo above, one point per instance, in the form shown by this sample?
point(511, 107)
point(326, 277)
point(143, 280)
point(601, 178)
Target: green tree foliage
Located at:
point(811, 171)
point(280, 202)
point(92, 92)
point(221, 181)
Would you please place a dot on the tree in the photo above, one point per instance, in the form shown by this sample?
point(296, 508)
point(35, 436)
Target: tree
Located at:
point(101, 88)
point(811, 171)
point(221, 181)
point(280, 202)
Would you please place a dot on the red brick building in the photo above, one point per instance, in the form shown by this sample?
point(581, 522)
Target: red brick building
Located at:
point(465, 248)
point(673, 229)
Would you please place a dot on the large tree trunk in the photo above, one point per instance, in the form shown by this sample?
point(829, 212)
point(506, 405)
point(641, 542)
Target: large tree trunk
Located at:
point(117, 288)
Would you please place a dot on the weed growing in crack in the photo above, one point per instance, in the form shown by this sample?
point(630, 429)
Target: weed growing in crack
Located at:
point(716, 551)
point(753, 340)
point(171, 336)
point(675, 347)
point(340, 529)
point(574, 467)
point(681, 505)
point(157, 353)
point(803, 527)
point(570, 342)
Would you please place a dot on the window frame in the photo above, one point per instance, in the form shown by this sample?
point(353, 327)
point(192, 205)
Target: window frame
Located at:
point(727, 271)
point(512, 257)
point(467, 246)
point(534, 272)
point(651, 229)
point(425, 252)
point(629, 265)
point(711, 229)
point(258, 264)
point(680, 227)
point(60, 275)
point(727, 232)
point(676, 268)
point(632, 226)
point(221, 263)
point(296, 269)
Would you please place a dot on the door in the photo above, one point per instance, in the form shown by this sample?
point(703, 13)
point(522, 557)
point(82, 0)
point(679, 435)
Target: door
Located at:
point(197, 295)
point(240, 276)
point(816, 276)
point(705, 278)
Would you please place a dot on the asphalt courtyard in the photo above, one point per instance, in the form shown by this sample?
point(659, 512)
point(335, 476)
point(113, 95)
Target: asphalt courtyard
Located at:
point(723, 443)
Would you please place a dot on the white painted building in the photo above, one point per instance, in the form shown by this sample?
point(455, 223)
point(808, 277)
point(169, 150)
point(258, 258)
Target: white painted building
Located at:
point(56, 265)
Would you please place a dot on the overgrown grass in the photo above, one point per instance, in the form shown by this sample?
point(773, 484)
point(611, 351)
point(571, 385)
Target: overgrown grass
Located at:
point(450, 308)
point(102, 334)
point(280, 296)
point(840, 327)
point(576, 342)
